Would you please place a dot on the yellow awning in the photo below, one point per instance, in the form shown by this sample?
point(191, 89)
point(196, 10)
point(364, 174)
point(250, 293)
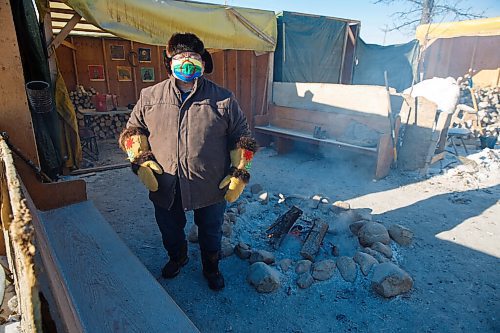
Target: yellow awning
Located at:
point(480, 27)
point(154, 21)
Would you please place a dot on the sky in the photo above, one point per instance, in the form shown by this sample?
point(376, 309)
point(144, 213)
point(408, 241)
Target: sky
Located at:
point(374, 17)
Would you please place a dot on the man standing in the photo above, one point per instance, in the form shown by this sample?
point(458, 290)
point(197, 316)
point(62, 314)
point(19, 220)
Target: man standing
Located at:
point(189, 143)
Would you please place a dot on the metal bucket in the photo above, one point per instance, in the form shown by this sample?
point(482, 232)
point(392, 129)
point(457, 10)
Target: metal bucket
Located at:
point(39, 96)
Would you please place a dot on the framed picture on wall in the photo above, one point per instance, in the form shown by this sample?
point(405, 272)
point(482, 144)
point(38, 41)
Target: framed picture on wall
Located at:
point(144, 54)
point(147, 74)
point(117, 52)
point(124, 73)
point(96, 72)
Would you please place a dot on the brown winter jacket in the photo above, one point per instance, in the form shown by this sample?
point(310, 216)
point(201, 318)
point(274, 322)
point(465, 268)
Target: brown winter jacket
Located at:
point(190, 140)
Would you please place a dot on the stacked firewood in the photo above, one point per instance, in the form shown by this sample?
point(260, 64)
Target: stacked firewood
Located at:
point(481, 116)
point(104, 126)
point(81, 98)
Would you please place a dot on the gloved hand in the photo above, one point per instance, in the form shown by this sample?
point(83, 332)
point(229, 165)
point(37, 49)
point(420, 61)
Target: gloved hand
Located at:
point(135, 143)
point(236, 184)
point(239, 176)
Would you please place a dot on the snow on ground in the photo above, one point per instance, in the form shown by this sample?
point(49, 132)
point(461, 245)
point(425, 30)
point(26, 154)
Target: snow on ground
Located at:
point(454, 258)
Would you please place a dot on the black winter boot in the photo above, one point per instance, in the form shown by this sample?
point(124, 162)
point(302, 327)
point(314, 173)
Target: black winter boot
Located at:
point(177, 260)
point(210, 261)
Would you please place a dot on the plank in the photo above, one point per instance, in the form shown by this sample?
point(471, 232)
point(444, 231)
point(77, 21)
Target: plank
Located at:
point(308, 137)
point(336, 123)
point(54, 44)
point(341, 98)
point(313, 240)
point(107, 287)
point(385, 152)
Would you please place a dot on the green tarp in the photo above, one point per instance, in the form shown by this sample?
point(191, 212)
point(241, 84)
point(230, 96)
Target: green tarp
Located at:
point(309, 48)
point(400, 61)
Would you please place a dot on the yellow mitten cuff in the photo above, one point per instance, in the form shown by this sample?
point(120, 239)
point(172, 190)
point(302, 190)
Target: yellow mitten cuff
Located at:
point(241, 157)
point(134, 142)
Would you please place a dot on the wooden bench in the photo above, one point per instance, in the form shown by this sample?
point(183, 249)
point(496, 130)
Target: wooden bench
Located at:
point(288, 124)
point(98, 284)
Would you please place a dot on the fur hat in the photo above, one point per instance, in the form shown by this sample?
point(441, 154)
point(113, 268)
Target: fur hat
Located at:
point(187, 42)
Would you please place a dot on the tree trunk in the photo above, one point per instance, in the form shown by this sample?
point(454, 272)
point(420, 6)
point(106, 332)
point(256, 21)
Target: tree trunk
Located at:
point(427, 9)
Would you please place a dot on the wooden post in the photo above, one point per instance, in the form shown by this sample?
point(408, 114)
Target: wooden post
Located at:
point(49, 35)
point(108, 90)
point(134, 75)
point(343, 53)
point(253, 85)
point(270, 80)
point(75, 64)
point(236, 76)
point(160, 62)
point(224, 70)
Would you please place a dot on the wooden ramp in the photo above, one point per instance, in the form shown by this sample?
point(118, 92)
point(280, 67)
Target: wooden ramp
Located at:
point(98, 283)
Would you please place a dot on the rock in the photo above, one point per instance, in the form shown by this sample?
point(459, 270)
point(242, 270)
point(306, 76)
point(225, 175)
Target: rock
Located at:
point(262, 256)
point(323, 270)
point(12, 304)
point(389, 280)
point(193, 234)
point(227, 229)
point(242, 208)
point(314, 201)
point(303, 266)
point(263, 197)
point(242, 250)
point(335, 251)
point(256, 188)
point(347, 268)
point(401, 235)
point(285, 264)
point(231, 217)
point(324, 207)
point(356, 226)
point(382, 248)
point(13, 326)
point(361, 214)
point(264, 278)
point(365, 262)
point(373, 232)
point(233, 210)
point(227, 248)
point(375, 254)
point(305, 280)
point(339, 206)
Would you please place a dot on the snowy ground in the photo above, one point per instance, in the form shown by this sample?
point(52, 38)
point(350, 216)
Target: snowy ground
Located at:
point(454, 259)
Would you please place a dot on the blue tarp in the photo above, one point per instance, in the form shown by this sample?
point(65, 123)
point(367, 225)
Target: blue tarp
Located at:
point(309, 48)
point(400, 61)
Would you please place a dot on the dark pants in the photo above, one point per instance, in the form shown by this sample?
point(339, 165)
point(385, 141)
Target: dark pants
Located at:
point(172, 222)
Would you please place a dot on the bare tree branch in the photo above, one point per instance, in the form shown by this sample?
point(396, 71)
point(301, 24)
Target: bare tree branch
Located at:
point(428, 11)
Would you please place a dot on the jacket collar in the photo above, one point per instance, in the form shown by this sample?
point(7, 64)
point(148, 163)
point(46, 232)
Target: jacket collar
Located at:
point(198, 83)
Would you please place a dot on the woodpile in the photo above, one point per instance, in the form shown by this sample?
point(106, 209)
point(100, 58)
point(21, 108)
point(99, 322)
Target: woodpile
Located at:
point(81, 98)
point(104, 126)
point(478, 110)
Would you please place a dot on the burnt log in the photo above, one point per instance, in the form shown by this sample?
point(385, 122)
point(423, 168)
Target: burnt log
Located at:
point(313, 240)
point(282, 226)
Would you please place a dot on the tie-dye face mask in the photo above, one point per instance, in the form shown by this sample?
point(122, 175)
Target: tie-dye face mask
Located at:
point(187, 68)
